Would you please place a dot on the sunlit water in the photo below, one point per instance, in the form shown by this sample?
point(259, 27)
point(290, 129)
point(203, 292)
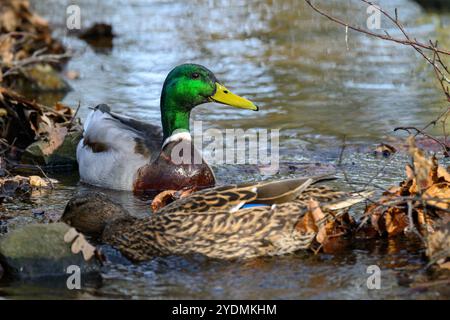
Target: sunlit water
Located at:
point(317, 88)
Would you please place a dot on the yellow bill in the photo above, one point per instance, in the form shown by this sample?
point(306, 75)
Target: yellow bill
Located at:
point(225, 96)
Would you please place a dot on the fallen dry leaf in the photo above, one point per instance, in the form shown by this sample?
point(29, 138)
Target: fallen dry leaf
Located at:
point(443, 173)
point(438, 195)
point(426, 180)
point(306, 224)
point(27, 122)
point(424, 168)
point(38, 182)
point(70, 235)
point(55, 138)
point(409, 172)
point(438, 244)
point(326, 228)
point(14, 186)
point(396, 221)
point(445, 265)
point(9, 21)
point(79, 244)
point(63, 110)
point(22, 33)
point(319, 220)
point(425, 194)
point(6, 50)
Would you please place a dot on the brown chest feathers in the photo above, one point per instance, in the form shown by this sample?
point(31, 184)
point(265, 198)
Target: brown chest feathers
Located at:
point(174, 170)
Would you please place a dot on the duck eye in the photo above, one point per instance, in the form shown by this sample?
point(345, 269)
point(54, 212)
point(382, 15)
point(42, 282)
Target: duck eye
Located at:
point(195, 75)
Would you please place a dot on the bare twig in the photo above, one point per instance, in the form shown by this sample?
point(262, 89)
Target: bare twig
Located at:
point(46, 177)
point(408, 41)
point(445, 147)
point(441, 71)
point(74, 115)
point(411, 225)
point(37, 57)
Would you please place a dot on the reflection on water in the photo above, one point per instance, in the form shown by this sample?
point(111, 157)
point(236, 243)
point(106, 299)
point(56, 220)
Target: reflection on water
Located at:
point(293, 62)
point(309, 83)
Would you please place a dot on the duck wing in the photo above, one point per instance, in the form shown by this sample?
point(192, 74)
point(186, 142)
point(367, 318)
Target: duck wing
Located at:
point(235, 197)
point(114, 147)
point(225, 234)
point(105, 129)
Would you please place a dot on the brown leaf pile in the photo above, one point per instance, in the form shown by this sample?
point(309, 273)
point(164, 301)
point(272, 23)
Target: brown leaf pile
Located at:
point(24, 122)
point(18, 185)
point(438, 244)
point(22, 34)
point(14, 186)
point(421, 198)
point(421, 203)
point(326, 229)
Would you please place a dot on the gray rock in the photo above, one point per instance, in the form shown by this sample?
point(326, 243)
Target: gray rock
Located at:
point(39, 250)
point(42, 78)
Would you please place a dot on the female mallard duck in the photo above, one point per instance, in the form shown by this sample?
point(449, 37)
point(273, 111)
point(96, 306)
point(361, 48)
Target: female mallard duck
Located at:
point(228, 222)
point(118, 152)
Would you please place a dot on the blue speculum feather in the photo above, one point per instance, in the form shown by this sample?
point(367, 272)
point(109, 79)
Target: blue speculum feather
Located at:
point(252, 205)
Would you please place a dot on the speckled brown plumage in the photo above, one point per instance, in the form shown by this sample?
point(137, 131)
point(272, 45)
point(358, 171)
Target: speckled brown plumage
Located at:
point(212, 222)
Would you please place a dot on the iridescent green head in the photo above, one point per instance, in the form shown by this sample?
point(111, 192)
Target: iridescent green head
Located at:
point(187, 86)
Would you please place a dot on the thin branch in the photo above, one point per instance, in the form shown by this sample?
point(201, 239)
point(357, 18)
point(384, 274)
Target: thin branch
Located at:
point(418, 46)
point(384, 37)
point(445, 147)
point(17, 66)
point(74, 116)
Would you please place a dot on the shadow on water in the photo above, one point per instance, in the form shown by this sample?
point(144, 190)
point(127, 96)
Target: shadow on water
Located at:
point(312, 85)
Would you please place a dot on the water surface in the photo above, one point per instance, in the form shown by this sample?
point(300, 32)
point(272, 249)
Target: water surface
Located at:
point(317, 88)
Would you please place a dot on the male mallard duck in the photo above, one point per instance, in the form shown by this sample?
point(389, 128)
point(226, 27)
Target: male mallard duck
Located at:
point(118, 152)
point(229, 222)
